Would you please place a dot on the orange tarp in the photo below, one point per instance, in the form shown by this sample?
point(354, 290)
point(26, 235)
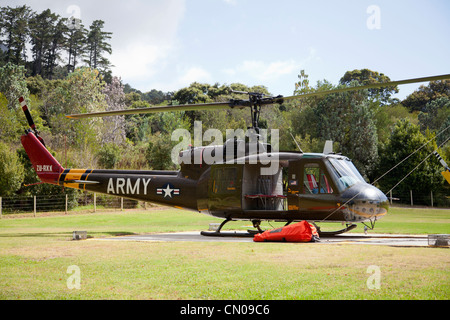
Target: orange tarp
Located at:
point(297, 232)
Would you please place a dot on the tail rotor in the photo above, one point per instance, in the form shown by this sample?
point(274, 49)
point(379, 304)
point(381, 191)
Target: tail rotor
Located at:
point(30, 120)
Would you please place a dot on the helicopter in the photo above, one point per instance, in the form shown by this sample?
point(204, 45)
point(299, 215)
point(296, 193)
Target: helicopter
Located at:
point(246, 180)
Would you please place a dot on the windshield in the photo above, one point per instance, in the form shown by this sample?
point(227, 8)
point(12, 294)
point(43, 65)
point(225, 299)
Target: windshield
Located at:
point(345, 172)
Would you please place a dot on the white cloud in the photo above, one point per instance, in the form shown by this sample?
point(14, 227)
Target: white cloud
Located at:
point(263, 71)
point(144, 33)
point(144, 39)
point(194, 74)
point(180, 78)
point(138, 61)
point(232, 2)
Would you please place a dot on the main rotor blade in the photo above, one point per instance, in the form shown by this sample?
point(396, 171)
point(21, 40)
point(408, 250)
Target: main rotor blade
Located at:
point(182, 107)
point(369, 86)
point(239, 104)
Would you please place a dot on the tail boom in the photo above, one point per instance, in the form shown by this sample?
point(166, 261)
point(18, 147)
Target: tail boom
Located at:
point(161, 187)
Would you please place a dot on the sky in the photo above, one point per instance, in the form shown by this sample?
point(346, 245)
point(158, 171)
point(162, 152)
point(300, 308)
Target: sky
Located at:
point(168, 44)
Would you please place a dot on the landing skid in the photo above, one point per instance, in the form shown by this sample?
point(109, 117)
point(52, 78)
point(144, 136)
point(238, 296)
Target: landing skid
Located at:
point(333, 233)
point(218, 233)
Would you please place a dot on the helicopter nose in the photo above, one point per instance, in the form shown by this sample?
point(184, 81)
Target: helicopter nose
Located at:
point(370, 202)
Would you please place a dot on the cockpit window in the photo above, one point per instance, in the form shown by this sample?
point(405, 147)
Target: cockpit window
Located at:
point(345, 172)
point(315, 180)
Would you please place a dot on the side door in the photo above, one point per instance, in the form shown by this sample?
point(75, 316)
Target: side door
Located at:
point(225, 187)
point(310, 188)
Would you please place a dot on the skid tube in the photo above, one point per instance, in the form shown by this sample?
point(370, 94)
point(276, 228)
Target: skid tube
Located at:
point(218, 233)
point(334, 233)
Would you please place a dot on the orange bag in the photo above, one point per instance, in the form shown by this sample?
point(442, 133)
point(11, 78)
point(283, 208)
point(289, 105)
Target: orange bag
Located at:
point(297, 232)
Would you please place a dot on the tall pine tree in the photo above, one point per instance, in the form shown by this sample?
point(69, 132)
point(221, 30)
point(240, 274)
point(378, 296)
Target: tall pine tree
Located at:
point(14, 30)
point(76, 43)
point(41, 26)
point(97, 46)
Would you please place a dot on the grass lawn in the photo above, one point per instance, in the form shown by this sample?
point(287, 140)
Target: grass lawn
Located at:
point(35, 254)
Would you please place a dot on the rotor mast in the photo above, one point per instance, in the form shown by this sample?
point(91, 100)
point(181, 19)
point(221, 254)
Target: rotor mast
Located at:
point(255, 101)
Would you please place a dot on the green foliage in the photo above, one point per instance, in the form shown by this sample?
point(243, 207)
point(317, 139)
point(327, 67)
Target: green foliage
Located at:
point(366, 77)
point(435, 115)
point(13, 84)
point(302, 86)
point(158, 153)
point(11, 171)
point(14, 26)
point(80, 92)
point(417, 100)
point(108, 156)
point(405, 139)
point(348, 119)
point(48, 35)
point(97, 46)
point(386, 116)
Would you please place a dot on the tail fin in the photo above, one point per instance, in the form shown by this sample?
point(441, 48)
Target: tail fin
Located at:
point(46, 166)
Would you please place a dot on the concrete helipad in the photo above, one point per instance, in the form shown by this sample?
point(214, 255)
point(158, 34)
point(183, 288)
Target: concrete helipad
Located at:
point(349, 238)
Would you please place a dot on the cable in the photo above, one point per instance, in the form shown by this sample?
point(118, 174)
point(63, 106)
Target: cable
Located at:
point(440, 132)
point(418, 165)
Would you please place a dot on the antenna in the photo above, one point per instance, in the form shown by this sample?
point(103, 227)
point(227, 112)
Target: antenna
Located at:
point(298, 146)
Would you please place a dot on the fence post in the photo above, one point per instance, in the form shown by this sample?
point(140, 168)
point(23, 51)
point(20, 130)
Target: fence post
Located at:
point(34, 206)
point(67, 200)
point(432, 198)
point(95, 202)
point(412, 203)
point(390, 196)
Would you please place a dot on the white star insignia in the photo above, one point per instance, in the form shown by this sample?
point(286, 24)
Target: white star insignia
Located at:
point(167, 191)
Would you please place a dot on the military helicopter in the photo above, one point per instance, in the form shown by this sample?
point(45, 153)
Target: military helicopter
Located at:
point(247, 180)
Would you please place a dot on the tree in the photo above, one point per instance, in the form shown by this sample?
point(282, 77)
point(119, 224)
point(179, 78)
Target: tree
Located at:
point(347, 118)
point(155, 97)
point(405, 139)
point(158, 152)
point(114, 127)
point(13, 84)
point(75, 44)
point(58, 38)
point(435, 114)
point(11, 171)
point(97, 46)
point(41, 29)
point(302, 86)
point(417, 100)
point(108, 156)
point(366, 77)
point(80, 92)
point(14, 25)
